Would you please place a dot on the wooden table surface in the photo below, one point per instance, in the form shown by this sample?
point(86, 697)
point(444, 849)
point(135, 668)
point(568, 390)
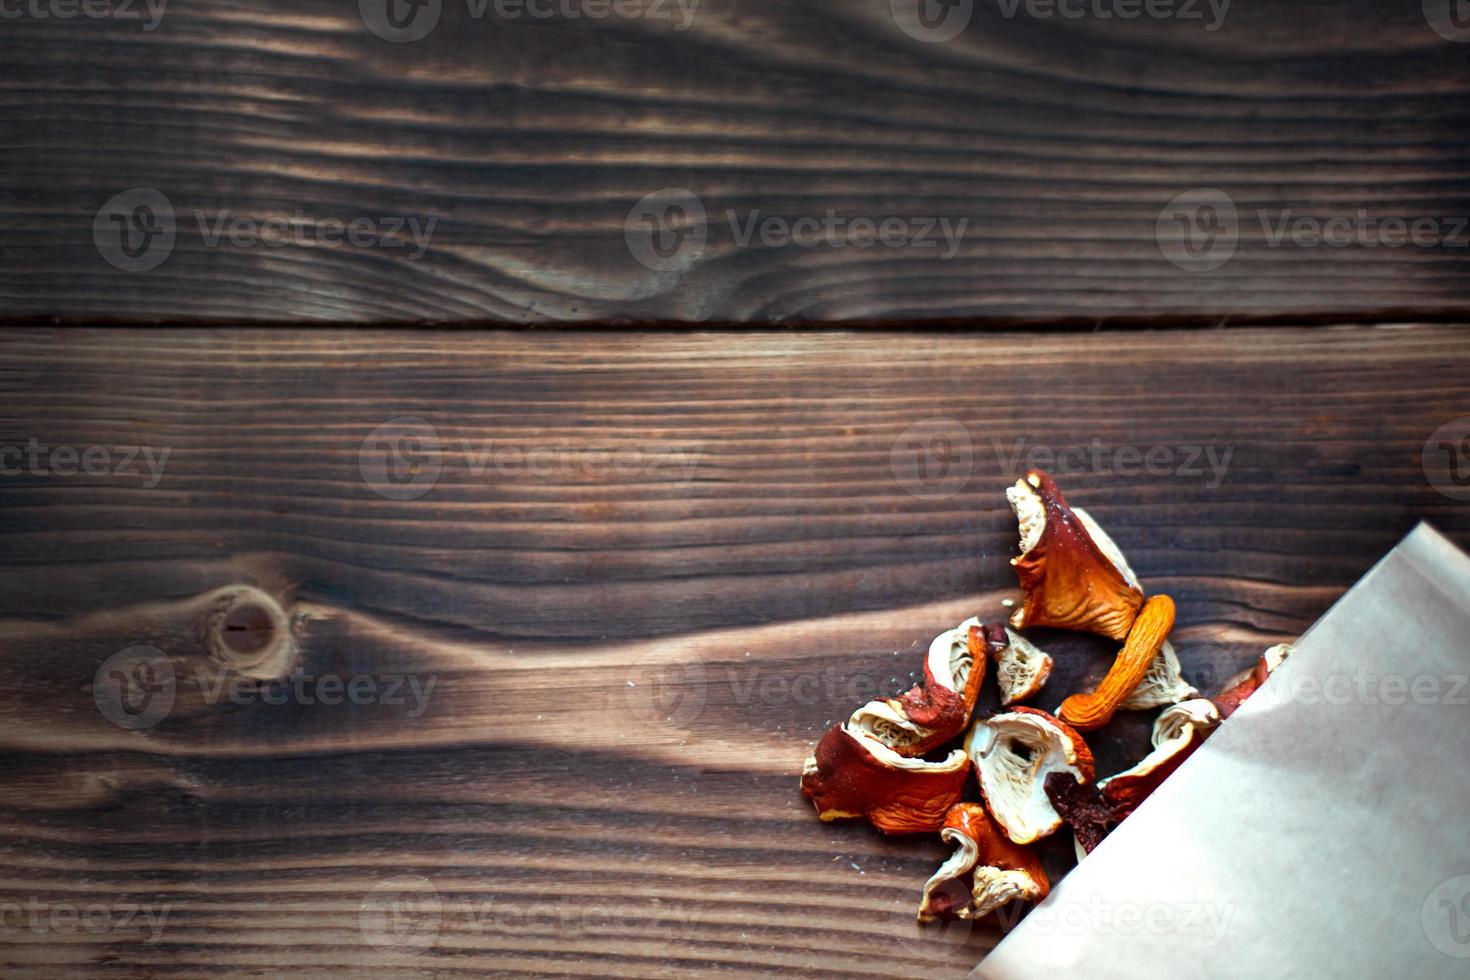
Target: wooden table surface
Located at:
point(619, 586)
point(560, 613)
point(1053, 146)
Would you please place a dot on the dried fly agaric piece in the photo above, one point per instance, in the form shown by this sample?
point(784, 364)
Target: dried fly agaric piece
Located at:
point(853, 774)
point(1020, 668)
point(1178, 732)
point(932, 713)
point(1013, 752)
point(1145, 641)
point(1000, 872)
point(1238, 689)
point(1162, 685)
point(1070, 581)
point(1083, 807)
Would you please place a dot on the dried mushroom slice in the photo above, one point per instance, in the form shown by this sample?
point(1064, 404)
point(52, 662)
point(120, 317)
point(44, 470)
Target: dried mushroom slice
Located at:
point(1162, 685)
point(1082, 806)
point(1069, 580)
point(935, 712)
point(986, 871)
point(853, 774)
point(1107, 546)
point(1013, 752)
point(1238, 689)
point(1021, 669)
point(1178, 731)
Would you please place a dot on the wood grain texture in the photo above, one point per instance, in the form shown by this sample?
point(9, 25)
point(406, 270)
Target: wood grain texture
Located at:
point(529, 142)
point(622, 666)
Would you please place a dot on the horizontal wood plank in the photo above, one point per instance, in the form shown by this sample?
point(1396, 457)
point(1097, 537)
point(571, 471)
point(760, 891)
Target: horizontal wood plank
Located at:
point(1053, 147)
point(650, 571)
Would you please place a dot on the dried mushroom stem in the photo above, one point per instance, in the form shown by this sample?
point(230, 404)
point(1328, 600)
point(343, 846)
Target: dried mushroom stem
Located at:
point(1090, 711)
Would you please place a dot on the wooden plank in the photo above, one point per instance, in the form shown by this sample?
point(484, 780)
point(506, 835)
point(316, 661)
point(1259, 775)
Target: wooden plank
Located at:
point(620, 663)
point(530, 142)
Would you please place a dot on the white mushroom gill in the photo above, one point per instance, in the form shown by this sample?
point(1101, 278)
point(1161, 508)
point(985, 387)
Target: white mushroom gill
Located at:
point(994, 888)
point(1107, 546)
point(886, 722)
point(949, 655)
point(883, 754)
point(1020, 669)
point(1163, 684)
point(1013, 754)
point(966, 855)
point(1030, 514)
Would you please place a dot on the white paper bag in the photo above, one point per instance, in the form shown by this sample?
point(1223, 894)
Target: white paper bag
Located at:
point(1322, 831)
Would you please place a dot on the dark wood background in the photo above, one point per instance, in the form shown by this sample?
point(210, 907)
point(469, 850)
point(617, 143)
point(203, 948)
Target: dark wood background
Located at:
point(530, 141)
point(629, 665)
point(630, 662)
